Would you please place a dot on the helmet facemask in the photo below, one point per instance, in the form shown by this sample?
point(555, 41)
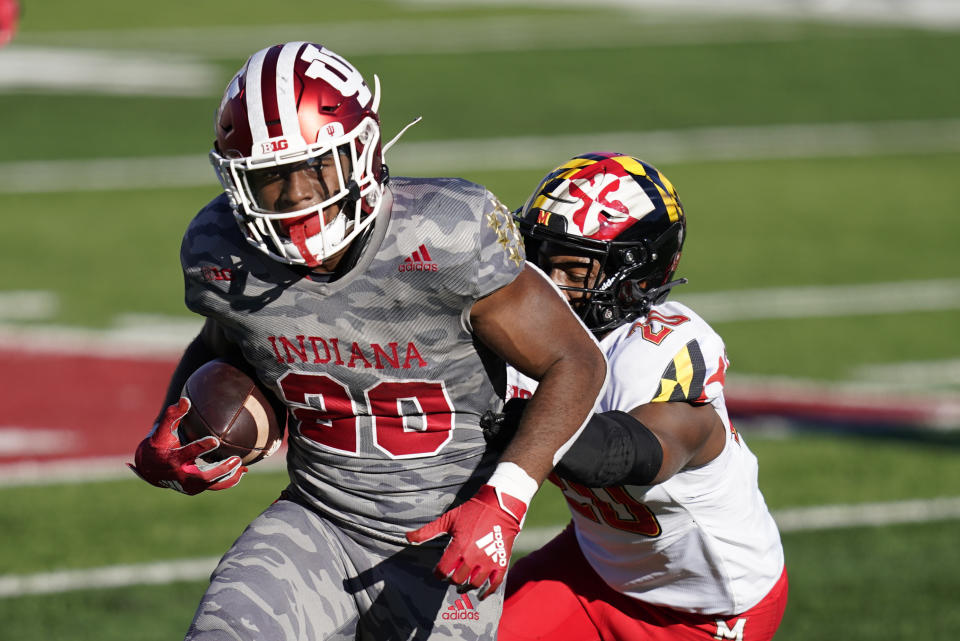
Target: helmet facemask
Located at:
point(310, 238)
point(625, 283)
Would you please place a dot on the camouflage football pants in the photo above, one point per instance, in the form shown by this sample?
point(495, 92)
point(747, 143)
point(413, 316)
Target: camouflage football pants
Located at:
point(295, 575)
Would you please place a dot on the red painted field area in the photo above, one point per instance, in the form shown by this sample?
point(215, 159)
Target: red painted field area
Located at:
point(59, 407)
point(56, 407)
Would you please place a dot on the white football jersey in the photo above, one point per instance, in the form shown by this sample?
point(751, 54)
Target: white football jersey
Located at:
point(702, 541)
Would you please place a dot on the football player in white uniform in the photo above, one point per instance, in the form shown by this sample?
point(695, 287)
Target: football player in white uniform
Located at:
point(380, 311)
point(670, 537)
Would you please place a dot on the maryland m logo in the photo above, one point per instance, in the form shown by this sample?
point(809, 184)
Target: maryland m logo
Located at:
point(724, 632)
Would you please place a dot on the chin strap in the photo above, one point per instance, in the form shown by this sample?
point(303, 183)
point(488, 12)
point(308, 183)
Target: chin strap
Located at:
point(353, 253)
point(637, 303)
point(657, 294)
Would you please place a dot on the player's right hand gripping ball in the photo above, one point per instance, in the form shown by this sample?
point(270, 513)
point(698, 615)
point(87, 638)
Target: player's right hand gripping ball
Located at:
point(228, 404)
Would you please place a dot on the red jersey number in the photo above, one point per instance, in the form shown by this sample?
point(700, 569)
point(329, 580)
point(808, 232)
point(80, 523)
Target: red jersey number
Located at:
point(331, 418)
point(611, 505)
point(656, 327)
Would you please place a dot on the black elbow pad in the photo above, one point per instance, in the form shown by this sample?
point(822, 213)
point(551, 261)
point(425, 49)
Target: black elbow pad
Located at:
point(613, 449)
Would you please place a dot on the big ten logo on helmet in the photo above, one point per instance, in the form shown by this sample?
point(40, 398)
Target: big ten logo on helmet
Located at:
point(273, 146)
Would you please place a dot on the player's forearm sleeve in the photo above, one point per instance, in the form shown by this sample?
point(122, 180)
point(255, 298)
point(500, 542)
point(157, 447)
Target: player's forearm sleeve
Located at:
point(613, 449)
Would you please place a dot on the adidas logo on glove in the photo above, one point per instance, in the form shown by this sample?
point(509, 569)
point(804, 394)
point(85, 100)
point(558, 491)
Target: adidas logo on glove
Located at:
point(492, 544)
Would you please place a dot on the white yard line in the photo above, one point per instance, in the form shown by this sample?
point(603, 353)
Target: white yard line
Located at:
point(92, 470)
point(820, 517)
point(929, 14)
point(789, 520)
point(835, 300)
point(827, 517)
point(914, 373)
point(455, 157)
point(175, 61)
point(30, 441)
point(28, 305)
point(419, 35)
point(114, 576)
point(132, 74)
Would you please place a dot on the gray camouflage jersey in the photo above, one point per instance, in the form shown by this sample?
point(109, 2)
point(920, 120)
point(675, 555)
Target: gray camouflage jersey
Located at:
point(383, 379)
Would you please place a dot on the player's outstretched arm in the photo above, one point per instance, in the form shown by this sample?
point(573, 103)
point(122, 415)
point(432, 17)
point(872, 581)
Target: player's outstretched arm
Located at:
point(689, 434)
point(645, 446)
point(530, 325)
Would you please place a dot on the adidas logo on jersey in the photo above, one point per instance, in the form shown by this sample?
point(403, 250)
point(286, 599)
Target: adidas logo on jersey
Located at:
point(492, 544)
point(461, 610)
point(418, 261)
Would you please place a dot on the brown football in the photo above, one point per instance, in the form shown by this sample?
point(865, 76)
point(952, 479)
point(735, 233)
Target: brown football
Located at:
point(228, 404)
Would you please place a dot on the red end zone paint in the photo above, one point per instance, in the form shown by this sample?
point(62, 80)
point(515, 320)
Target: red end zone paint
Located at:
point(100, 407)
point(106, 405)
point(838, 404)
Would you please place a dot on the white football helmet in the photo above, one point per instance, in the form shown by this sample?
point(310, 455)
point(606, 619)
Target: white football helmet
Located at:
point(293, 106)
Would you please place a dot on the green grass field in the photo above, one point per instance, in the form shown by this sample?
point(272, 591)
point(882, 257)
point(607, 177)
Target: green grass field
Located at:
point(883, 212)
point(891, 582)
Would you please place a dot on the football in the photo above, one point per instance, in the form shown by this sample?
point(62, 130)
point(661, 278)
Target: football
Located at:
point(225, 402)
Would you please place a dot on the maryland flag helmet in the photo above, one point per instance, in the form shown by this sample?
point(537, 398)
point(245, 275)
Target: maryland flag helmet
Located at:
point(621, 212)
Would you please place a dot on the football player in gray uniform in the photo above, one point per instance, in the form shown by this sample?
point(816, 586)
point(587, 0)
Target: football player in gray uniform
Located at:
point(381, 312)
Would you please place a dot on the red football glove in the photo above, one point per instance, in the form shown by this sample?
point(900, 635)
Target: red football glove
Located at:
point(481, 532)
point(162, 461)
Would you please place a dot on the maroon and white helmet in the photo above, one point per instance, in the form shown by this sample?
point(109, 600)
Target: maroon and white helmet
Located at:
point(292, 104)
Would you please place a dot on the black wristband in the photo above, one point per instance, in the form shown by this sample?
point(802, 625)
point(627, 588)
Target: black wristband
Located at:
point(613, 449)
